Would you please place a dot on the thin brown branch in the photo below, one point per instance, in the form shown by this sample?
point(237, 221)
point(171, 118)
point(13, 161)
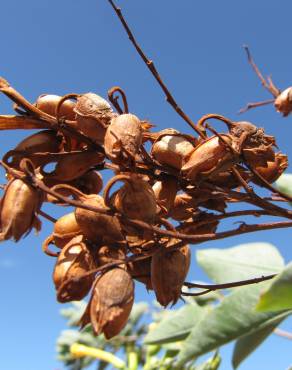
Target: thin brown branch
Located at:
point(114, 99)
point(270, 87)
point(150, 65)
point(47, 216)
point(255, 105)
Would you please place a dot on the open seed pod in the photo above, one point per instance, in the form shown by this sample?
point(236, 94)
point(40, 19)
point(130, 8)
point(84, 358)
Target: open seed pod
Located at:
point(135, 199)
point(98, 227)
point(273, 170)
point(111, 302)
point(168, 272)
point(19, 206)
point(227, 179)
point(140, 270)
point(48, 104)
point(172, 150)
point(165, 191)
point(210, 157)
point(259, 156)
point(93, 115)
point(73, 262)
point(123, 138)
point(72, 165)
point(283, 102)
point(46, 141)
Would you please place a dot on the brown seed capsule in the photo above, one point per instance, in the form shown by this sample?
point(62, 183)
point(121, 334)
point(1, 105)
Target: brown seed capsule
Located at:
point(209, 157)
point(71, 165)
point(98, 227)
point(283, 102)
point(273, 170)
point(93, 115)
point(107, 254)
point(19, 206)
point(141, 270)
point(123, 138)
point(48, 104)
point(182, 208)
point(111, 302)
point(259, 156)
point(172, 150)
point(73, 262)
point(168, 273)
point(135, 199)
point(65, 229)
point(165, 192)
point(45, 141)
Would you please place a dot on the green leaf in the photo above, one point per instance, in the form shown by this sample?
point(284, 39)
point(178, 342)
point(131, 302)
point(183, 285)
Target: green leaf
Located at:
point(234, 317)
point(241, 262)
point(279, 294)
point(249, 343)
point(284, 183)
point(177, 326)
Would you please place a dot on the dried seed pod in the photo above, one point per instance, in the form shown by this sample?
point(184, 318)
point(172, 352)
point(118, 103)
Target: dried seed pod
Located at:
point(19, 206)
point(107, 254)
point(98, 227)
point(48, 104)
point(123, 138)
point(65, 229)
point(136, 199)
point(73, 262)
point(165, 191)
point(46, 141)
point(111, 302)
point(172, 150)
point(182, 208)
point(228, 180)
point(259, 156)
point(283, 102)
point(168, 272)
point(93, 115)
point(141, 270)
point(273, 170)
point(72, 165)
point(210, 157)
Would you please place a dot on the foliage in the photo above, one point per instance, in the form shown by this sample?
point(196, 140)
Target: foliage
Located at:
point(175, 339)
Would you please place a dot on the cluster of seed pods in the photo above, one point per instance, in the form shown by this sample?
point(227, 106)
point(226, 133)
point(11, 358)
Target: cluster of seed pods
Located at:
point(170, 186)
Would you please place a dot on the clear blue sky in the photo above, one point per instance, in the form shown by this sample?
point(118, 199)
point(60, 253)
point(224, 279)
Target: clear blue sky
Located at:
point(52, 46)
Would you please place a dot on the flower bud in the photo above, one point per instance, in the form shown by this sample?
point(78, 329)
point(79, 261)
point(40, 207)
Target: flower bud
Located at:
point(19, 206)
point(168, 272)
point(111, 302)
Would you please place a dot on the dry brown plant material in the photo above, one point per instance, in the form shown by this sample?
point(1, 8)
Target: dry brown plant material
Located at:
point(283, 102)
point(123, 138)
point(65, 229)
point(98, 227)
point(107, 254)
point(19, 206)
point(168, 273)
point(48, 103)
point(273, 170)
point(140, 270)
point(73, 262)
point(93, 115)
point(111, 302)
point(165, 191)
point(72, 165)
point(209, 157)
point(172, 150)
